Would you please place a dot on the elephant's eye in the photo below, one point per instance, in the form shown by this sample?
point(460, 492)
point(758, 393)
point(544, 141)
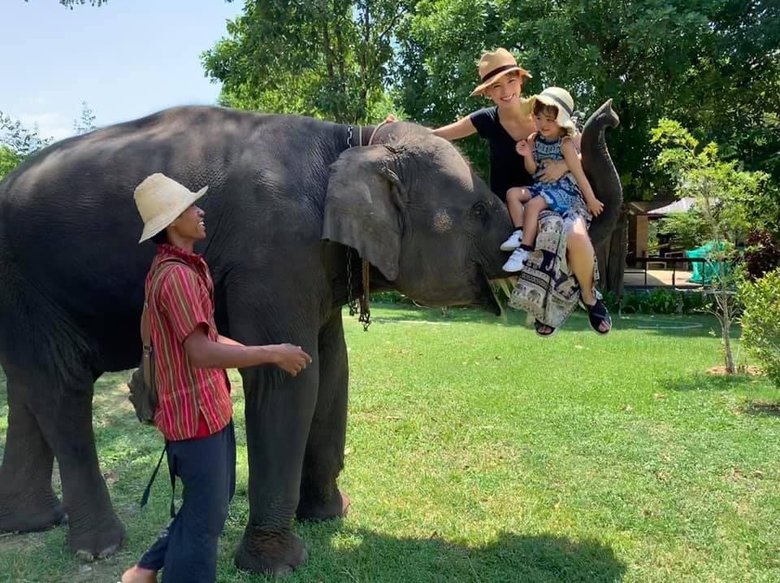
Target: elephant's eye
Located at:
point(479, 209)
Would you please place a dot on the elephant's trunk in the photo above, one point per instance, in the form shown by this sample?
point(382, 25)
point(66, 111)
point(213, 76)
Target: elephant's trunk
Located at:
point(601, 172)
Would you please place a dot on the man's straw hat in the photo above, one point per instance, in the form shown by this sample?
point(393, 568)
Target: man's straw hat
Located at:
point(160, 200)
point(493, 65)
point(560, 98)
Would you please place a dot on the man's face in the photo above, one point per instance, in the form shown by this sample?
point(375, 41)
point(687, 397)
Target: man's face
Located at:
point(190, 224)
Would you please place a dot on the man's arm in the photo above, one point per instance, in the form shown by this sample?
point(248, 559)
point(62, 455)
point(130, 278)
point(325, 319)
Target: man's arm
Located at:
point(229, 341)
point(205, 353)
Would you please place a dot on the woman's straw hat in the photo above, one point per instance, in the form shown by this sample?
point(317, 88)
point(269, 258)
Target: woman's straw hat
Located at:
point(160, 200)
point(495, 64)
point(560, 98)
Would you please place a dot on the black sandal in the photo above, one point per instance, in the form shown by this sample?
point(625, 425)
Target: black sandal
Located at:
point(550, 330)
point(597, 315)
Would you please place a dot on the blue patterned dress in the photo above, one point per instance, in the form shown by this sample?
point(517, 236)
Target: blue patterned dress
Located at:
point(562, 196)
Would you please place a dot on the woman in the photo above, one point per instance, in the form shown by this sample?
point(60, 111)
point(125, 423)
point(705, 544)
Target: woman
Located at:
point(505, 124)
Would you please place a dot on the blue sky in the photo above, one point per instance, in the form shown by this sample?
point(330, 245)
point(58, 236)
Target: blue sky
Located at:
point(126, 59)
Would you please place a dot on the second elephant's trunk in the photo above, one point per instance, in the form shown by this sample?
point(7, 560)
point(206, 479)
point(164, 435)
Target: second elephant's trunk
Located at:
point(601, 172)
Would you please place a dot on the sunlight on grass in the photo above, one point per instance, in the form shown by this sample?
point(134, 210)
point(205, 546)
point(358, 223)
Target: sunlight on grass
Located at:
point(479, 452)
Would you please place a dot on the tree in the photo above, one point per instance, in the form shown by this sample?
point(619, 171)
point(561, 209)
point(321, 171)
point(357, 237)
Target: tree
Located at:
point(8, 160)
point(86, 121)
point(16, 143)
point(723, 193)
point(712, 64)
point(325, 58)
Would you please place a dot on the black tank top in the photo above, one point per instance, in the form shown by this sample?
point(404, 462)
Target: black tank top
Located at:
point(506, 165)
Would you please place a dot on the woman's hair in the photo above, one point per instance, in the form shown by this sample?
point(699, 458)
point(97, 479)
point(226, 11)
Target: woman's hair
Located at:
point(543, 108)
point(161, 238)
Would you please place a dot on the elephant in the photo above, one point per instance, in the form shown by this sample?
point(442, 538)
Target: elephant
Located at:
point(302, 214)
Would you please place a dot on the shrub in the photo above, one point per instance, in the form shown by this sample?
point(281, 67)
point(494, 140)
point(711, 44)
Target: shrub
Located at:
point(664, 301)
point(761, 322)
point(762, 253)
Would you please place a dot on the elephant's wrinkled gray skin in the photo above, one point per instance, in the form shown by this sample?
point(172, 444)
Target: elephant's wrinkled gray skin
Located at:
point(601, 172)
point(287, 202)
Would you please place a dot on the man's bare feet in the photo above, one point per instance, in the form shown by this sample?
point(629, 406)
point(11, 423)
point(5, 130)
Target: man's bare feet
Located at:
point(136, 574)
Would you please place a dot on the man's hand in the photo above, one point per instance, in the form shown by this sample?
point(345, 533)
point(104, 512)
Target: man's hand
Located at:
point(290, 358)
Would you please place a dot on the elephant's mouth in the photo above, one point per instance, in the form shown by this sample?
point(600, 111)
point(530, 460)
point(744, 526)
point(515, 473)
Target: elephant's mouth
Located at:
point(487, 295)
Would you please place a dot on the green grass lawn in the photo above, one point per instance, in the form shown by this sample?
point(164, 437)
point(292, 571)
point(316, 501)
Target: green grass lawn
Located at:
point(479, 452)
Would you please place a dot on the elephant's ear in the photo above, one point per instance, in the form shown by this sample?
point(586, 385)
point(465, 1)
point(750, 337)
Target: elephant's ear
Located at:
point(363, 207)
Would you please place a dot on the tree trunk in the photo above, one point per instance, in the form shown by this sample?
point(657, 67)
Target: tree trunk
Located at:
point(611, 256)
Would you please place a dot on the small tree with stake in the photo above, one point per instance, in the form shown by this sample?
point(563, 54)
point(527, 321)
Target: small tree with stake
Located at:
point(723, 194)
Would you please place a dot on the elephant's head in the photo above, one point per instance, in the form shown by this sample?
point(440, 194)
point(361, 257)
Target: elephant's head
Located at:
point(412, 207)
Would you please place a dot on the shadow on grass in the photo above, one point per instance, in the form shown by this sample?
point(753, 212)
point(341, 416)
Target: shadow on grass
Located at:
point(708, 382)
point(511, 557)
point(763, 409)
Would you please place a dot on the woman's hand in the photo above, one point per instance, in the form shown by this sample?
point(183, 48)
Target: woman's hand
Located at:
point(552, 170)
point(595, 206)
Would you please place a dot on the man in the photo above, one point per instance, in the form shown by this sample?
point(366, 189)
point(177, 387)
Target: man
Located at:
point(194, 411)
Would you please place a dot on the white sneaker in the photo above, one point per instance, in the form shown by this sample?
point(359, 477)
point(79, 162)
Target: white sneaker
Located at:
point(513, 242)
point(516, 260)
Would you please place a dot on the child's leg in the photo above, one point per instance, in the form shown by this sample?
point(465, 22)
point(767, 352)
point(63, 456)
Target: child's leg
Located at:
point(515, 197)
point(531, 220)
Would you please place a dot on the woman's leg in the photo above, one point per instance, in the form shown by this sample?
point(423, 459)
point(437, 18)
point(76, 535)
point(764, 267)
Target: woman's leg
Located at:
point(580, 258)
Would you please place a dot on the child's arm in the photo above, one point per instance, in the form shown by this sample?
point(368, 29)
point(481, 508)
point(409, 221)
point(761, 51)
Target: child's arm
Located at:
point(572, 158)
point(526, 149)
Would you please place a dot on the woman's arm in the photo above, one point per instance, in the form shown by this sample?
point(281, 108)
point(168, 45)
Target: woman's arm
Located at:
point(456, 130)
point(574, 165)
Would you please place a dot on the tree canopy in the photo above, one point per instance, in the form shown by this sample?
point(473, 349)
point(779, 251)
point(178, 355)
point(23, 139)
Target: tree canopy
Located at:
point(712, 64)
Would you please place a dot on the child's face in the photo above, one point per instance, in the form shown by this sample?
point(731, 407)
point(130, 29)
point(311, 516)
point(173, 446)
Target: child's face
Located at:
point(546, 125)
point(505, 90)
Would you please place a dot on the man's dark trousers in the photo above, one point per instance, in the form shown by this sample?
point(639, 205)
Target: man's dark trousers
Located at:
point(187, 550)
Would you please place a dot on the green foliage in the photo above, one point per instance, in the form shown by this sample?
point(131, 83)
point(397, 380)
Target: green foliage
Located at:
point(16, 143)
point(687, 230)
point(723, 194)
point(325, 58)
point(710, 63)
point(8, 160)
point(660, 301)
point(21, 140)
point(761, 322)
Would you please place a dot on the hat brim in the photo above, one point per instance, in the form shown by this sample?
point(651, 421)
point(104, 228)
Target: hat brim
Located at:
point(563, 119)
point(480, 89)
point(159, 223)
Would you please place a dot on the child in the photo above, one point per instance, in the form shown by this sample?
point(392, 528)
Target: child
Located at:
point(553, 140)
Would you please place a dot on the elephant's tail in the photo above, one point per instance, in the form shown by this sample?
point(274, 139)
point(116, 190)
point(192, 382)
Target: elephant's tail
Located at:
point(36, 335)
point(600, 170)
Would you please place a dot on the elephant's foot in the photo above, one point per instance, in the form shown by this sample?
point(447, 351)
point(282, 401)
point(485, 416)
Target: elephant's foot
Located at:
point(90, 541)
point(29, 512)
point(336, 507)
point(270, 552)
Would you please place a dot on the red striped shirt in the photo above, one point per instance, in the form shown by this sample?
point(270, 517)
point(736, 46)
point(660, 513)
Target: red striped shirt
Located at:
point(192, 402)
